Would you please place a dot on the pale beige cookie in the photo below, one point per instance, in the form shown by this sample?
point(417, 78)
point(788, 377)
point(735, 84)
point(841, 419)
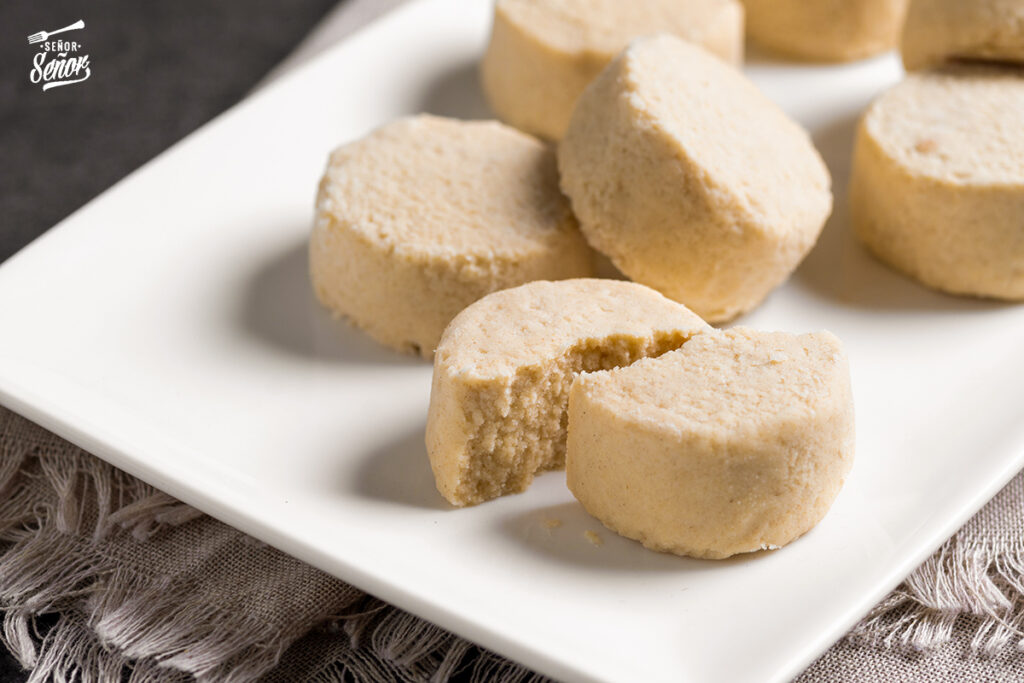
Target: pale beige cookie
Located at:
point(938, 31)
point(691, 180)
point(826, 30)
point(543, 53)
point(504, 367)
point(426, 215)
point(937, 187)
point(739, 441)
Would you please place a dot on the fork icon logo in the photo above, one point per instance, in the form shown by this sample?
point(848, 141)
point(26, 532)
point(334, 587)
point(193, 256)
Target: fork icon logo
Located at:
point(58, 62)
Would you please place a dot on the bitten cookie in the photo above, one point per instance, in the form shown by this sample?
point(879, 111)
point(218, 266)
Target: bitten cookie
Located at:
point(543, 53)
point(691, 180)
point(937, 187)
point(739, 441)
point(504, 367)
point(938, 31)
point(826, 30)
point(426, 215)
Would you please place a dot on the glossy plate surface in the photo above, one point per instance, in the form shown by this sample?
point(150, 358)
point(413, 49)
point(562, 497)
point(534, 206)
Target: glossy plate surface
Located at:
point(168, 327)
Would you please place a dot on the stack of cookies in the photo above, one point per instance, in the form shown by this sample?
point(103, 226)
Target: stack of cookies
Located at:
point(477, 244)
point(672, 164)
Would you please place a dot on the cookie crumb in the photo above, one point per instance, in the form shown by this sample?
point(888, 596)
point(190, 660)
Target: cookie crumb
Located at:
point(594, 538)
point(552, 523)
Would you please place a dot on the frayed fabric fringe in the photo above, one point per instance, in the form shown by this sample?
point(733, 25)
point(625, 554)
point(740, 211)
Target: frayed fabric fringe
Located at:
point(51, 510)
point(978, 585)
point(52, 562)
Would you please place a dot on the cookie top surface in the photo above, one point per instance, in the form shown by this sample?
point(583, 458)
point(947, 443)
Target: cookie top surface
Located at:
point(711, 114)
point(960, 125)
point(540, 321)
point(604, 27)
point(427, 185)
point(725, 383)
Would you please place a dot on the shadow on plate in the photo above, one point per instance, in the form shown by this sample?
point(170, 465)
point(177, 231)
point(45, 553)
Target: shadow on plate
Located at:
point(566, 534)
point(456, 93)
point(280, 311)
point(841, 270)
point(398, 472)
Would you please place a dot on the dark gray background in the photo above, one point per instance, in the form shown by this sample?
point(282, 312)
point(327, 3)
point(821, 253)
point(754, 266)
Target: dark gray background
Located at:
point(160, 69)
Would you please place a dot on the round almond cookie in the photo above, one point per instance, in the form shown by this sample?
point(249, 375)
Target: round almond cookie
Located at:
point(938, 31)
point(504, 367)
point(937, 186)
point(543, 53)
point(737, 442)
point(826, 30)
point(692, 181)
point(426, 215)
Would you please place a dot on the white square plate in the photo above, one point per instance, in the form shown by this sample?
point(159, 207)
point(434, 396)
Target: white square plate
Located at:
point(168, 327)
